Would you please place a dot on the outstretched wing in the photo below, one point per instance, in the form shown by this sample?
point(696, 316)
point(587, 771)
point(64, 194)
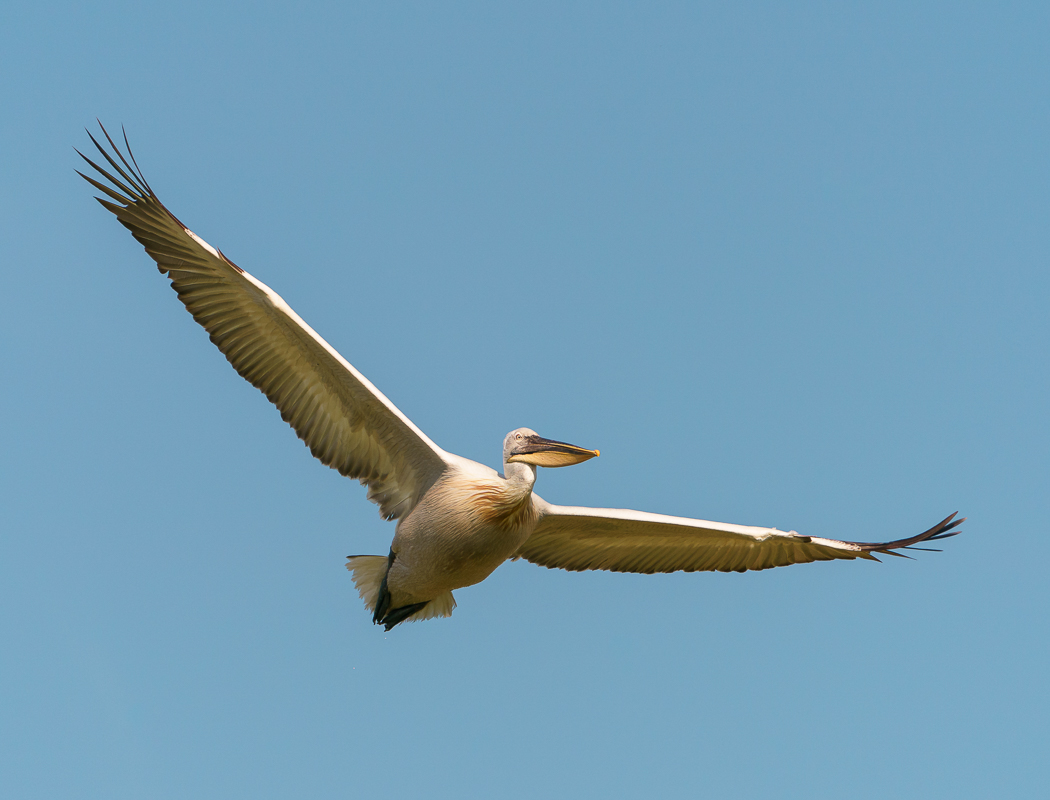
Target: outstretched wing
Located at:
point(345, 421)
point(621, 540)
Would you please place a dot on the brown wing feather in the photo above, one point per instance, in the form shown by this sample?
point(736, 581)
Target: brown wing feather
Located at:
point(344, 420)
point(619, 540)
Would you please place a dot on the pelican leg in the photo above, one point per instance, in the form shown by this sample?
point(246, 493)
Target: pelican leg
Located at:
point(398, 615)
point(383, 600)
point(384, 614)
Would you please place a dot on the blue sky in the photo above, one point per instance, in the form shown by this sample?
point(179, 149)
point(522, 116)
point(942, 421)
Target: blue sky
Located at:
point(783, 264)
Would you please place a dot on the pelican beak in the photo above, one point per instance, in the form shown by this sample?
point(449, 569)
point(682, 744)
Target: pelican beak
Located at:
point(542, 452)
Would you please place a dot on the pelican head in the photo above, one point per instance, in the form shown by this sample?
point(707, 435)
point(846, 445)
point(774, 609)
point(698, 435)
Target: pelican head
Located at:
point(528, 447)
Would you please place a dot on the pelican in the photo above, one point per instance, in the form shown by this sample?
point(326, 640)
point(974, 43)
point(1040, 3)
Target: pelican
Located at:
point(457, 520)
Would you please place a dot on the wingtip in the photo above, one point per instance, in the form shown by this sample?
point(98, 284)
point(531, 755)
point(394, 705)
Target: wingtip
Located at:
point(944, 529)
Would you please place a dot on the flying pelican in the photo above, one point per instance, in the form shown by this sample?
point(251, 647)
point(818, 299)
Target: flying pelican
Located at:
point(457, 520)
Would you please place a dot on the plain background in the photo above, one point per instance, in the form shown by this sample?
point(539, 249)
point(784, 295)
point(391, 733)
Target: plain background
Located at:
point(784, 264)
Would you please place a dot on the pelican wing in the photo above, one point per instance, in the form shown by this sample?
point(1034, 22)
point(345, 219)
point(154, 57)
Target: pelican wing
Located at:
point(621, 540)
point(345, 421)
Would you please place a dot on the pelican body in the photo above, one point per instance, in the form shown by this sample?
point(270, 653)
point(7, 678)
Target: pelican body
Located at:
point(457, 520)
point(468, 523)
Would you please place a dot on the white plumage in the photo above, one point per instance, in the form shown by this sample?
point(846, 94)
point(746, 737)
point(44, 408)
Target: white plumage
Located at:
point(457, 520)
